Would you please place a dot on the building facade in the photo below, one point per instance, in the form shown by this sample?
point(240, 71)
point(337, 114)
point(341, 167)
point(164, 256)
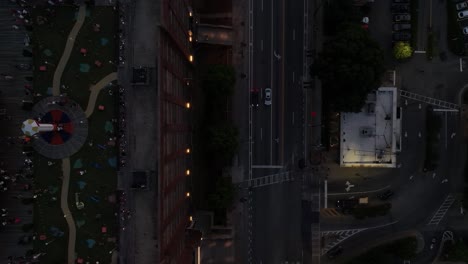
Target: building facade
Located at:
point(175, 72)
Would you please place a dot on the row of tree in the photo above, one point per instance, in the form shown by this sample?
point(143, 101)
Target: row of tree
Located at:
point(351, 63)
point(221, 136)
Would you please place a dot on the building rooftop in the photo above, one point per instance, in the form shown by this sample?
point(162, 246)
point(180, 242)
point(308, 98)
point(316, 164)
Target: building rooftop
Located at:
point(372, 137)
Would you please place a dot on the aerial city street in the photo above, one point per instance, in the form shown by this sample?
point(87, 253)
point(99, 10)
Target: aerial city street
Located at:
point(234, 131)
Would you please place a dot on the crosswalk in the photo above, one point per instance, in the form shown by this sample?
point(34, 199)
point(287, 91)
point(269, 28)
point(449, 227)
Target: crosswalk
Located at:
point(270, 179)
point(439, 215)
point(337, 236)
point(429, 100)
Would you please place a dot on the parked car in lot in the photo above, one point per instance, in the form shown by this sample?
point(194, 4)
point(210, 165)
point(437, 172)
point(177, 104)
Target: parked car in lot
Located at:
point(401, 17)
point(400, 8)
point(465, 30)
point(386, 195)
point(463, 14)
point(23, 66)
point(401, 36)
point(399, 27)
point(267, 96)
point(461, 5)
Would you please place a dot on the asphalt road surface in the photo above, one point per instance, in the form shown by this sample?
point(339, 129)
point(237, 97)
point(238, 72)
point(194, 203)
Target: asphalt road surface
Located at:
point(277, 129)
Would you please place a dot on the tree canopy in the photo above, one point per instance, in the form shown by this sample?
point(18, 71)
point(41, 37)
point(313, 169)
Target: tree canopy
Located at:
point(220, 80)
point(224, 141)
point(350, 66)
point(223, 195)
point(402, 50)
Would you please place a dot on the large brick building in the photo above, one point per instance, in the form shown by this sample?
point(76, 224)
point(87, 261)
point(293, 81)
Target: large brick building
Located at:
point(175, 71)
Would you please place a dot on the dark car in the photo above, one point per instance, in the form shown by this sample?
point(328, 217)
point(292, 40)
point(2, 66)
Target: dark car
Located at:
point(254, 98)
point(346, 205)
point(24, 66)
point(401, 36)
point(386, 195)
point(399, 27)
point(401, 17)
point(332, 253)
point(400, 8)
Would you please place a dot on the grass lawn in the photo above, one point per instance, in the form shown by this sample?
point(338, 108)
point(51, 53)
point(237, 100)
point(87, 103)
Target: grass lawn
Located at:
point(97, 186)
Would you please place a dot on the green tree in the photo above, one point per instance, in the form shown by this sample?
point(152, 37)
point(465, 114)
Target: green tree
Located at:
point(402, 50)
point(223, 195)
point(350, 66)
point(223, 141)
point(339, 12)
point(219, 81)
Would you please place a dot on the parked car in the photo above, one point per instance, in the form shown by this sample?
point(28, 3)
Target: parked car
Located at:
point(401, 36)
point(254, 98)
point(401, 17)
point(385, 195)
point(463, 14)
point(465, 30)
point(335, 251)
point(461, 5)
point(267, 96)
point(399, 27)
point(23, 66)
point(400, 8)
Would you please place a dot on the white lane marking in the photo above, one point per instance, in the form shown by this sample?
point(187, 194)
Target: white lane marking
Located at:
point(261, 133)
point(271, 86)
point(294, 34)
point(261, 44)
point(461, 65)
point(293, 118)
point(293, 77)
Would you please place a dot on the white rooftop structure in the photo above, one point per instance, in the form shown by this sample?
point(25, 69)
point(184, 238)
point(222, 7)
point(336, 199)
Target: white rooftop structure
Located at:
point(372, 137)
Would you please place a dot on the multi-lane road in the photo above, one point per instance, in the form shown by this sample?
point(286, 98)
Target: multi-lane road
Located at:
point(277, 141)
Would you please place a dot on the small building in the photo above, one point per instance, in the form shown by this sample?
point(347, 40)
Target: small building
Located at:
point(372, 137)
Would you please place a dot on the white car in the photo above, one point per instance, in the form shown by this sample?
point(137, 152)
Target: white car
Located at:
point(461, 5)
point(267, 96)
point(463, 14)
point(465, 30)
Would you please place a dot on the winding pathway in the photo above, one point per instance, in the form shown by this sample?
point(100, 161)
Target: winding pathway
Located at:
point(66, 210)
point(68, 49)
point(95, 89)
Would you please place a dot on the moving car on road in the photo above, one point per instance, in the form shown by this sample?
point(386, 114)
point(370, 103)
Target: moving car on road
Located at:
point(254, 97)
point(267, 96)
point(346, 205)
